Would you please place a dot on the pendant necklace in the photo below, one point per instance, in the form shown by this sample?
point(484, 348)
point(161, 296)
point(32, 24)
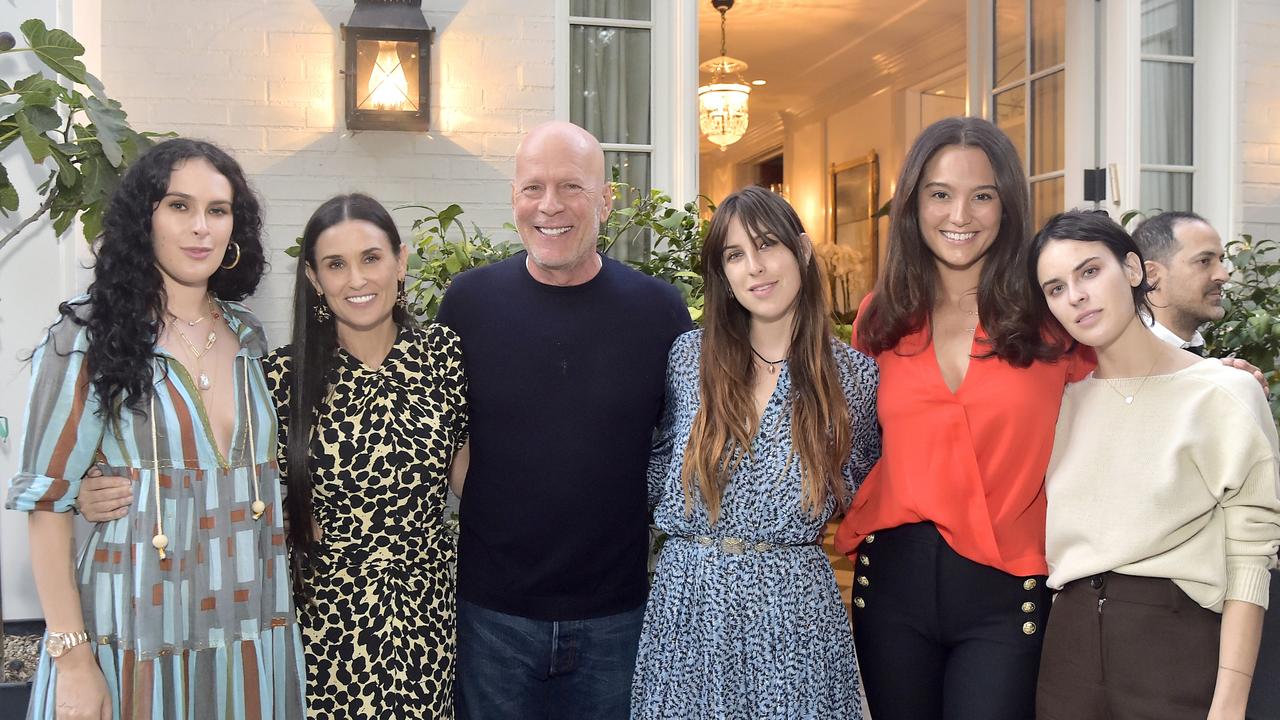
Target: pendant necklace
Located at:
point(1128, 398)
point(202, 378)
point(773, 364)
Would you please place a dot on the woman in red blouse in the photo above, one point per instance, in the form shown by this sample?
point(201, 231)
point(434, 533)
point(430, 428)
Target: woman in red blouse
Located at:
point(948, 530)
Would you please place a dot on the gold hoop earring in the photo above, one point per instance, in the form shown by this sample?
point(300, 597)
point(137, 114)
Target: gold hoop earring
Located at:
point(234, 263)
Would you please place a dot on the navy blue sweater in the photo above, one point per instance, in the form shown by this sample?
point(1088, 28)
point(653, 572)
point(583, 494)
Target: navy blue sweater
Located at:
point(565, 387)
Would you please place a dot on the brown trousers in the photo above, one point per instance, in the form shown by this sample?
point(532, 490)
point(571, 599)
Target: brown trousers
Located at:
point(1127, 648)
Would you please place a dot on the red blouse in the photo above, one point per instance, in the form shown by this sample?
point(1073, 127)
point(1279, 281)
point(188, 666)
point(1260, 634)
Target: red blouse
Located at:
point(971, 462)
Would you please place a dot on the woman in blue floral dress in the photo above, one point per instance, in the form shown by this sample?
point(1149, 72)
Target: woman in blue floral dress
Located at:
point(769, 428)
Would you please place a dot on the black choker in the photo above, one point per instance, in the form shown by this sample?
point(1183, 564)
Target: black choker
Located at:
point(773, 364)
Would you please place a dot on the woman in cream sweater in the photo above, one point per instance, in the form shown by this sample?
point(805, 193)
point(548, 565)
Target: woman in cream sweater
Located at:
point(1163, 516)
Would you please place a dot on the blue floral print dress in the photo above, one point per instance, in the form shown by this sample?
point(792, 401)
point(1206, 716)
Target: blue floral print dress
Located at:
point(744, 620)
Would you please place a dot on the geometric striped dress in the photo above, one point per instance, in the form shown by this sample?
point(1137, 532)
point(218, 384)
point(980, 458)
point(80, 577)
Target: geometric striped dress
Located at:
point(209, 631)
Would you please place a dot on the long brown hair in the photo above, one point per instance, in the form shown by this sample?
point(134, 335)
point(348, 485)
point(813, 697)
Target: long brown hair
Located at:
point(907, 288)
point(821, 436)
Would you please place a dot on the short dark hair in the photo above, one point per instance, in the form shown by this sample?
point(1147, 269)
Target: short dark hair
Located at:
point(1088, 226)
point(1154, 236)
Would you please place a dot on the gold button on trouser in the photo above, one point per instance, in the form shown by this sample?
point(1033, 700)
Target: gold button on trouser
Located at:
point(1029, 584)
point(1028, 607)
point(1028, 628)
point(859, 603)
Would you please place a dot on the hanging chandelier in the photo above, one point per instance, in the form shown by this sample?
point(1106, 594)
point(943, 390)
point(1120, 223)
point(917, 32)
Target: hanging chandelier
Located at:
point(722, 104)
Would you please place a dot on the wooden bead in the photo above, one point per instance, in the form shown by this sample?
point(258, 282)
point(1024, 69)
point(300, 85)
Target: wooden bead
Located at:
point(160, 541)
point(258, 508)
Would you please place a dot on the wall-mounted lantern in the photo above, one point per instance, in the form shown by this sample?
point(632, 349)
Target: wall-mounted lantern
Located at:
point(388, 62)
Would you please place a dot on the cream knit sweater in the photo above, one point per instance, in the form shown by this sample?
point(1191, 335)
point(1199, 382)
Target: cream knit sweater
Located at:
point(1181, 484)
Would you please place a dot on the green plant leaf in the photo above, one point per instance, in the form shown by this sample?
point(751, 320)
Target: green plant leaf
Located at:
point(9, 108)
point(293, 251)
point(67, 173)
point(37, 144)
point(56, 49)
point(8, 193)
point(38, 90)
point(91, 220)
point(43, 119)
point(111, 125)
point(447, 217)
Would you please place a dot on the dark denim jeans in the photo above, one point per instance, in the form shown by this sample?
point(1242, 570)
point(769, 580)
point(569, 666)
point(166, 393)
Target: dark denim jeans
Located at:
point(514, 668)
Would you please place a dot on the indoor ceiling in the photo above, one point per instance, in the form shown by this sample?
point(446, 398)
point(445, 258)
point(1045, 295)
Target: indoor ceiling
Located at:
point(806, 49)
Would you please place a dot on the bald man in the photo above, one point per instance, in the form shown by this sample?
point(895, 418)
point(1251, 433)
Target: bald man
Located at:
point(566, 361)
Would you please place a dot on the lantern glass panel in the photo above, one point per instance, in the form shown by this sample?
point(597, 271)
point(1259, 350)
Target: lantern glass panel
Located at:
point(387, 75)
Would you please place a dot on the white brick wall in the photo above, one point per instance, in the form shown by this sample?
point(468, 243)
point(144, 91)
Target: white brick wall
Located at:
point(1258, 71)
point(261, 80)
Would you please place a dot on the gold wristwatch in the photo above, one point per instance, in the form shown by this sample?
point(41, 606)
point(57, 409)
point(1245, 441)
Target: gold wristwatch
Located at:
point(59, 643)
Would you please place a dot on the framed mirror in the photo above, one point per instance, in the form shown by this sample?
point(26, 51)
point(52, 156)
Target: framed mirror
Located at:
point(853, 230)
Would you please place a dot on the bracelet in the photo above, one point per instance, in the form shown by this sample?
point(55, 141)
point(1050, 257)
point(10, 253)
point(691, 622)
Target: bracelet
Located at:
point(1224, 667)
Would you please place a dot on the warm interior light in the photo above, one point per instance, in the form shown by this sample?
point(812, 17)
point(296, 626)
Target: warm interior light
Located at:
point(758, 83)
point(388, 86)
point(722, 112)
point(722, 104)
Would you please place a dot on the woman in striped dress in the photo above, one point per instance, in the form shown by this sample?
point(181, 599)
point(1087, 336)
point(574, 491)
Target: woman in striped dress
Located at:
point(181, 608)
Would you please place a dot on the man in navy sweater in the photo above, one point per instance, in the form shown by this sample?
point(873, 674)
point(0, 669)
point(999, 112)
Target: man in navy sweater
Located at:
point(566, 360)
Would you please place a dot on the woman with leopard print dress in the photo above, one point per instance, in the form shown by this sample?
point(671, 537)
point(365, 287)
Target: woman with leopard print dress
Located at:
point(769, 427)
point(372, 415)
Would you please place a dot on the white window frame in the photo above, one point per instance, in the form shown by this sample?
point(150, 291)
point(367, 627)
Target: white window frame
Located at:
point(673, 82)
point(981, 91)
point(1215, 148)
point(1103, 126)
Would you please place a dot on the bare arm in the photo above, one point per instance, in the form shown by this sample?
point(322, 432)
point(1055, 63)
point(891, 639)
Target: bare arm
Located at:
point(1237, 656)
point(458, 469)
point(81, 690)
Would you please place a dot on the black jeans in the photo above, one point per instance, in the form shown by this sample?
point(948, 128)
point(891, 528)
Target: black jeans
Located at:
point(941, 637)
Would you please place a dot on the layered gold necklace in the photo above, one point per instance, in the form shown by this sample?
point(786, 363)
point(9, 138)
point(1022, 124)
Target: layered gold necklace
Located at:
point(202, 378)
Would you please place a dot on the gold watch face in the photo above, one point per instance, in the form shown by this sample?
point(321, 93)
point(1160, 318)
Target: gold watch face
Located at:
point(55, 646)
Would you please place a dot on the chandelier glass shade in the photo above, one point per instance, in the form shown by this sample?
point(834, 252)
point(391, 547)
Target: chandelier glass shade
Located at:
point(722, 104)
point(722, 112)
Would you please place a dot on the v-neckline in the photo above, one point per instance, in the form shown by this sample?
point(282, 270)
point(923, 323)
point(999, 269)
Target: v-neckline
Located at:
point(968, 368)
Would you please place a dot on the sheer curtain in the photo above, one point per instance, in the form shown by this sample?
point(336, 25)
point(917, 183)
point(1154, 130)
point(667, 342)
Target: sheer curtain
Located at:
point(1167, 110)
point(609, 92)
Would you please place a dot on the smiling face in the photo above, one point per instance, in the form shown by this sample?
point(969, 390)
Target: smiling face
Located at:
point(1088, 290)
point(191, 225)
point(762, 272)
point(958, 206)
point(358, 273)
point(559, 198)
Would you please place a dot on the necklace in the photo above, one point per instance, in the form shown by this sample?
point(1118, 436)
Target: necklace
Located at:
point(773, 364)
point(1128, 399)
point(202, 380)
point(213, 312)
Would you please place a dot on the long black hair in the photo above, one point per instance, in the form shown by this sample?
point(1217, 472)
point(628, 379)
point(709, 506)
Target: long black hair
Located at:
point(314, 353)
point(907, 288)
point(127, 299)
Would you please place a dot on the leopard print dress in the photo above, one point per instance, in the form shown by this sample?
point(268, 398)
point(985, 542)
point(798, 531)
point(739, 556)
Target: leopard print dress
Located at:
point(377, 614)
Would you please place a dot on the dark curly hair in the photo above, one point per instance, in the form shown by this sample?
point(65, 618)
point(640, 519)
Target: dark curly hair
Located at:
point(313, 352)
point(904, 296)
point(126, 300)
